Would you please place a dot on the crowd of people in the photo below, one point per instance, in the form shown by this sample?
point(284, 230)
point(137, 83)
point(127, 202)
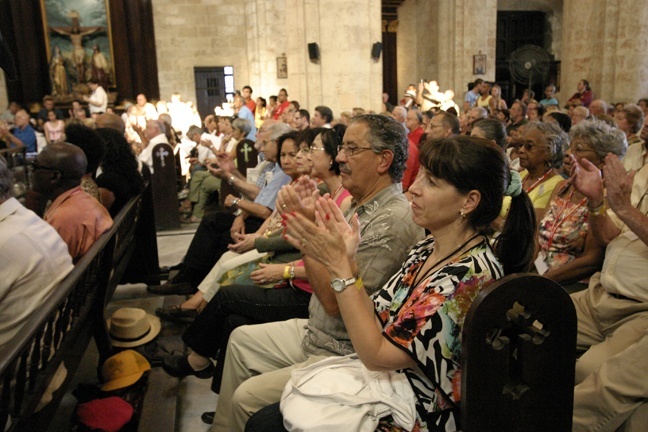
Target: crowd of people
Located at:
point(351, 253)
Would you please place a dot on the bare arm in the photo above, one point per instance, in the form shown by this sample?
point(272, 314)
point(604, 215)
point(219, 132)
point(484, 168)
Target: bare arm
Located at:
point(583, 266)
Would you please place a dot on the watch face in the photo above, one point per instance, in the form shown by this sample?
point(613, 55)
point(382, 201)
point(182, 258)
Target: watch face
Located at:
point(338, 285)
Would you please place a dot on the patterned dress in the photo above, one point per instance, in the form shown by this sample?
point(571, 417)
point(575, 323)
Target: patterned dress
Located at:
point(426, 321)
point(562, 231)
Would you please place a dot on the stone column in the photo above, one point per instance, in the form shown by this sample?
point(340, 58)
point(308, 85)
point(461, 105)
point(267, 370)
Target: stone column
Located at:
point(604, 41)
point(4, 97)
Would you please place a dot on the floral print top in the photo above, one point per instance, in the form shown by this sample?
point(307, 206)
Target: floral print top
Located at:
point(426, 321)
point(562, 231)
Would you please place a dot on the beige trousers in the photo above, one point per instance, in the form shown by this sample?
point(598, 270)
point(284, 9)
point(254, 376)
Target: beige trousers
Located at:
point(259, 361)
point(612, 376)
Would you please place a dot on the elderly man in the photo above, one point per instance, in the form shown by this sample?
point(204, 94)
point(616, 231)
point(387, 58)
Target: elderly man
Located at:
point(322, 117)
point(260, 358)
point(218, 230)
point(612, 375)
point(78, 217)
point(580, 113)
point(474, 114)
point(598, 108)
point(244, 112)
point(155, 133)
point(22, 135)
point(33, 259)
point(399, 114)
point(443, 125)
point(518, 119)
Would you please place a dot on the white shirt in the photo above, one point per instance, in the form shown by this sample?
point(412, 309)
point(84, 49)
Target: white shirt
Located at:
point(99, 96)
point(33, 259)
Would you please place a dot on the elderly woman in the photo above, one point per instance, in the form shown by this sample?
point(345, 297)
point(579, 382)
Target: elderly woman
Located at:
point(541, 155)
point(410, 330)
point(630, 119)
point(566, 252)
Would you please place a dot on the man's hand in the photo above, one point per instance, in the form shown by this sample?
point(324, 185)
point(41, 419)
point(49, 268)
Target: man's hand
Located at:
point(587, 179)
point(618, 184)
point(193, 160)
point(229, 200)
point(226, 162)
point(206, 143)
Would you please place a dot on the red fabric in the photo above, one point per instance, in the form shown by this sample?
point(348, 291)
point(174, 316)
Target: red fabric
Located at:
point(251, 105)
point(280, 109)
point(412, 166)
point(415, 135)
point(585, 98)
point(109, 415)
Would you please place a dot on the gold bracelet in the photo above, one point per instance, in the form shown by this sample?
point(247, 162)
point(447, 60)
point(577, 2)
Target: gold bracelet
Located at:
point(598, 210)
point(286, 273)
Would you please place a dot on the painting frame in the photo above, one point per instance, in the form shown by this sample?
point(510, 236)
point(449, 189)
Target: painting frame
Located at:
point(282, 67)
point(93, 35)
point(479, 64)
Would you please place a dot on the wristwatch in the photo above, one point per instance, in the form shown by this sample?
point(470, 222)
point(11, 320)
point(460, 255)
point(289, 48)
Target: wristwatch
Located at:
point(235, 202)
point(340, 285)
point(231, 180)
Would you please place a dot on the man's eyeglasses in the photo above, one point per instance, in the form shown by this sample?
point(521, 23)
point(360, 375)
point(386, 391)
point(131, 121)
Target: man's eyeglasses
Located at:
point(350, 151)
point(35, 166)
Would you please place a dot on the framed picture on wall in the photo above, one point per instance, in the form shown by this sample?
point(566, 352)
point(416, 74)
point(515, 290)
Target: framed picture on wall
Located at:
point(479, 64)
point(79, 44)
point(282, 67)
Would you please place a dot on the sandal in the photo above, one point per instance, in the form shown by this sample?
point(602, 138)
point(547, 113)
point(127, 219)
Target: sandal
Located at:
point(177, 314)
point(187, 218)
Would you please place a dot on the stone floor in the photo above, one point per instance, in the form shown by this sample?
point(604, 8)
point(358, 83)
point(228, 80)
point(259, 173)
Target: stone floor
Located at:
point(195, 395)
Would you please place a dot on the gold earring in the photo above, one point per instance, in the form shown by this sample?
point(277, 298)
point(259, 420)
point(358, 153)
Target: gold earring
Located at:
point(463, 215)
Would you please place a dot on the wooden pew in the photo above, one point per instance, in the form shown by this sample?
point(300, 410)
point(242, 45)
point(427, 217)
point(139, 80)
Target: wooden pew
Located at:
point(246, 157)
point(164, 184)
point(60, 331)
point(518, 357)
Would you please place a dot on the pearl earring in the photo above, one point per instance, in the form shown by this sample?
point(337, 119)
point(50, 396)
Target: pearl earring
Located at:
point(463, 215)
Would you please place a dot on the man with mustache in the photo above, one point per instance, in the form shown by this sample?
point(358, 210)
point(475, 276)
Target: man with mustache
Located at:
point(260, 358)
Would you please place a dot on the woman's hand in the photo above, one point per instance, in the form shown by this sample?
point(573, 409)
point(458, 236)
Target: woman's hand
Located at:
point(332, 241)
point(267, 273)
point(244, 243)
point(299, 198)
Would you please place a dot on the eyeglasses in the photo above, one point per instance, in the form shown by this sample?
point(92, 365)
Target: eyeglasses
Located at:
point(35, 166)
point(350, 151)
point(313, 149)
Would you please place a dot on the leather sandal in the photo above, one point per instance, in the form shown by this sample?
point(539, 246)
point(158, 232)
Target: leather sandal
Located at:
point(177, 314)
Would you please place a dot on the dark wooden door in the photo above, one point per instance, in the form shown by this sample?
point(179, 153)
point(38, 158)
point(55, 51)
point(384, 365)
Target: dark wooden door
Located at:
point(515, 29)
point(210, 89)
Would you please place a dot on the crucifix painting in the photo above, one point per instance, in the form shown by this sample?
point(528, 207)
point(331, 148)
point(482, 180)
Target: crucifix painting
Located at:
point(79, 44)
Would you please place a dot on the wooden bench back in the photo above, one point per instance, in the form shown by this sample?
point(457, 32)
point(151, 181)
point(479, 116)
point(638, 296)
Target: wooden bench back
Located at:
point(164, 184)
point(518, 357)
point(246, 157)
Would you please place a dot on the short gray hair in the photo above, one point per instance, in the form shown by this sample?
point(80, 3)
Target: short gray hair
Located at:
point(603, 137)
point(385, 133)
point(557, 141)
point(277, 129)
point(6, 181)
point(243, 125)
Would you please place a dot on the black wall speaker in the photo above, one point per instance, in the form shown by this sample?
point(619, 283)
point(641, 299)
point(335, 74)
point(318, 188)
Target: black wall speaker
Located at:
point(375, 50)
point(313, 51)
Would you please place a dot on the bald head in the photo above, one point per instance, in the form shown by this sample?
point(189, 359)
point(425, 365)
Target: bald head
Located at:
point(66, 158)
point(110, 121)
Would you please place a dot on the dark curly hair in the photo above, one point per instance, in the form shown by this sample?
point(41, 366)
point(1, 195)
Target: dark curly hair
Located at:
point(89, 141)
point(121, 160)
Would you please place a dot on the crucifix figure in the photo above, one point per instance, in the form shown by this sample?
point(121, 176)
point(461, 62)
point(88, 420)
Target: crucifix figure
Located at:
point(162, 154)
point(75, 32)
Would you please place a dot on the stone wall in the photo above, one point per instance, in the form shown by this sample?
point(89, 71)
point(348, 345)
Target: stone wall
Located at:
point(249, 35)
point(191, 33)
point(605, 43)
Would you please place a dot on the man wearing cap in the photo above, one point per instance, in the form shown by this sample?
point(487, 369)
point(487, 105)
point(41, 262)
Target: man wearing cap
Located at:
point(78, 217)
point(33, 259)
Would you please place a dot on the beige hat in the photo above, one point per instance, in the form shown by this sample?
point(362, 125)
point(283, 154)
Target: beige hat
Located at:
point(131, 327)
point(123, 369)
